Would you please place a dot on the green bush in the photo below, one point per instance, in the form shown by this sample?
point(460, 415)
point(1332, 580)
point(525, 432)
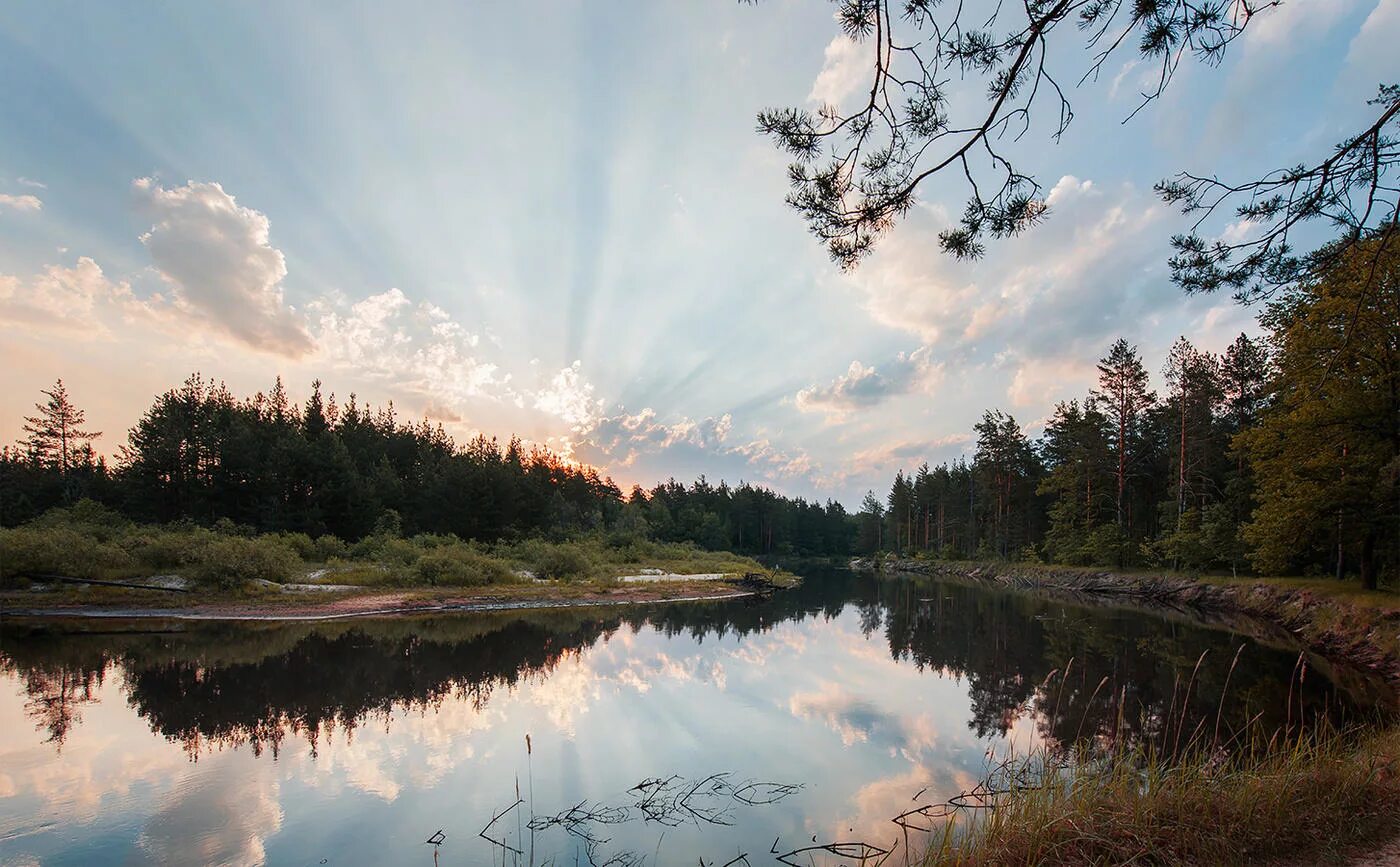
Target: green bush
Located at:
point(461, 566)
point(429, 541)
point(86, 516)
point(386, 549)
point(299, 543)
point(228, 527)
point(162, 548)
point(564, 562)
point(58, 550)
point(329, 547)
point(227, 562)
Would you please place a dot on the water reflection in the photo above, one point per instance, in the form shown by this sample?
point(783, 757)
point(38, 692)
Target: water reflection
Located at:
point(289, 743)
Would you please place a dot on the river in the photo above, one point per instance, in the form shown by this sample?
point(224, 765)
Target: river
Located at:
point(735, 732)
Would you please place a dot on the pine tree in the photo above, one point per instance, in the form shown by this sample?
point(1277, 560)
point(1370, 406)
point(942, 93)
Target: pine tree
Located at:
point(1125, 396)
point(56, 435)
point(872, 519)
point(1326, 452)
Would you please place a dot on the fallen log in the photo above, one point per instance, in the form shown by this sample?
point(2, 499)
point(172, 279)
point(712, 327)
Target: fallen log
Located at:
point(69, 579)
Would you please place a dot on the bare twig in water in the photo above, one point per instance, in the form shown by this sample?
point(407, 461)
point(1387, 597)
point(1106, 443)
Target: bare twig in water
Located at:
point(861, 853)
point(502, 843)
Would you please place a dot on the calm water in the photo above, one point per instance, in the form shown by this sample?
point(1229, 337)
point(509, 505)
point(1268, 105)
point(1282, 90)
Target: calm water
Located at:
point(696, 732)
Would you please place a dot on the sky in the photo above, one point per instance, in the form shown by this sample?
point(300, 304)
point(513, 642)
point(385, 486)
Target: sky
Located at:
point(557, 220)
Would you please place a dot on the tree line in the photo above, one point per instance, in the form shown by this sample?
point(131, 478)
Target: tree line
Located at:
point(1280, 455)
point(200, 454)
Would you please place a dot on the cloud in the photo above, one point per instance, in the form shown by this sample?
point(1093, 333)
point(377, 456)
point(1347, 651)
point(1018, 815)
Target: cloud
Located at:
point(863, 386)
point(776, 462)
point(59, 298)
point(626, 436)
point(80, 299)
point(1097, 262)
point(1039, 383)
point(1371, 54)
point(20, 203)
point(217, 257)
point(417, 348)
point(29, 182)
point(221, 819)
point(855, 720)
point(422, 350)
point(570, 397)
point(623, 440)
point(1286, 26)
point(845, 67)
point(908, 453)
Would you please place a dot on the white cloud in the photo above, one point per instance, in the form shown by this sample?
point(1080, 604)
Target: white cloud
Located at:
point(79, 299)
point(29, 182)
point(62, 298)
point(20, 203)
point(1284, 26)
point(863, 386)
point(621, 441)
point(570, 397)
point(216, 819)
point(1371, 56)
point(1077, 278)
point(845, 67)
point(217, 257)
point(904, 455)
point(1040, 383)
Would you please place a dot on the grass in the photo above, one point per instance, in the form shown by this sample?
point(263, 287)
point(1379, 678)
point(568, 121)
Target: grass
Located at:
point(1347, 592)
point(1303, 802)
point(1294, 796)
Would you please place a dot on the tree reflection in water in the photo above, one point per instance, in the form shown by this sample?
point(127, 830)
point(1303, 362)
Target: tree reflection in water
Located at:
point(1077, 671)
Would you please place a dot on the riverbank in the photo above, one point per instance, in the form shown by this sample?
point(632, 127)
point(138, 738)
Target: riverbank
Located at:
point(1330, 797)
point(87, 560)
point(334, 603)
point(1337, 622)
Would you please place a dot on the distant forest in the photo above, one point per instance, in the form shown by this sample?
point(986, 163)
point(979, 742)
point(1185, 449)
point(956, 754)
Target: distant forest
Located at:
point(1282, 455)
point(201, 454)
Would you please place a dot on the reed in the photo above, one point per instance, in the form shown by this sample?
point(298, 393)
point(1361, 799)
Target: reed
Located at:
point(1301, 794)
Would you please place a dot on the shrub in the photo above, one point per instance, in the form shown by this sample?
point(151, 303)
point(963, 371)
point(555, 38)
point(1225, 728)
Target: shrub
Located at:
point(329, 547)
point(159, 548)
point(386, 549)
point(58, 550)
point(564, 562)
point(461, 566)
point(299, 543)
point(228, 527)
point(88, 517)
point(227, 562)
point(428, 541)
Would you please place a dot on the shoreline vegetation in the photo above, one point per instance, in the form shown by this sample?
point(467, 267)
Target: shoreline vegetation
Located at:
point(1335, 620)
point(1317, 797)
point(1302, 795)
point(89, 560)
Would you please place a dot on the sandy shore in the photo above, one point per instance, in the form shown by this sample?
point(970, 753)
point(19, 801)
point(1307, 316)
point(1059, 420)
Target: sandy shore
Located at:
point(359, 603)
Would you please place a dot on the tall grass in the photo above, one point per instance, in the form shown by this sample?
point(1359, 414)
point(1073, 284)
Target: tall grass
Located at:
point(1191, 794)
point(1306, 800)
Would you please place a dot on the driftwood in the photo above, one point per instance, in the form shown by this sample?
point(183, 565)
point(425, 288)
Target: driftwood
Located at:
point(69, 579)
